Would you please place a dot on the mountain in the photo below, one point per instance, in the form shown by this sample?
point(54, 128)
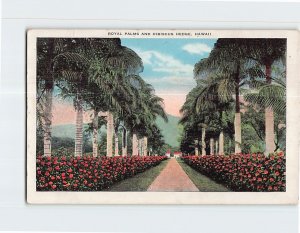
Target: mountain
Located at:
point(170, 130)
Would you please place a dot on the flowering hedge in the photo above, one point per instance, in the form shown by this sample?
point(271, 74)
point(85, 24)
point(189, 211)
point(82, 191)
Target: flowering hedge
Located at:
point(243, 172)
point(87, 173)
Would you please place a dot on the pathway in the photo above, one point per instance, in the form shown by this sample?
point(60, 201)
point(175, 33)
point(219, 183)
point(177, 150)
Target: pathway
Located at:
point(172, 178)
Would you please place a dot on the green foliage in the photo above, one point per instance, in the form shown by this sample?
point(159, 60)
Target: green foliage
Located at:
point(269, 95)
point(170, 130)
point(104, 76)
point(254, 68)
point(139, 182)
point(250, 141)
point(202, 182)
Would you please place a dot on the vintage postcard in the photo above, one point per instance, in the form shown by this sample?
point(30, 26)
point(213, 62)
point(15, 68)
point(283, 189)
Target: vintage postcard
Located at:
point(162, 116)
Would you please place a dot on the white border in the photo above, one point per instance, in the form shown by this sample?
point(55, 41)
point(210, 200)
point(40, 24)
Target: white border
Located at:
point(288, 197)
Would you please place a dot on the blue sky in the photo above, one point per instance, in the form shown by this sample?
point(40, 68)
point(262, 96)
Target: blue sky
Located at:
point(169, 63)
point(168, 66)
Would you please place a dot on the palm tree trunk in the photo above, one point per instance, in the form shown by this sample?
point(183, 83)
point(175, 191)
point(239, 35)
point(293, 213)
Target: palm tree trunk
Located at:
point(237, 135)
point(135, 144)
point(270, 135)
point(203, 142)
point(49, 87)
point(48, 121)
point(116, 143)
point(196, 148)
point(217, 146)
point(221, 143)
point(95, 134)
point(124, 142)
point(110, 130)
point(140, 143)
point(145, 146)
point(237, 116)
point(269, 119)
point(212, 142)
point(79, 126)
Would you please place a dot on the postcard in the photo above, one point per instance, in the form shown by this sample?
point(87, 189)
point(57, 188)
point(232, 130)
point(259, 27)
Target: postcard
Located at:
point(162, 116)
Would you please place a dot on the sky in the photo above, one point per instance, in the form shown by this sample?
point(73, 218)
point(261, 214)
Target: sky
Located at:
point(168, 67)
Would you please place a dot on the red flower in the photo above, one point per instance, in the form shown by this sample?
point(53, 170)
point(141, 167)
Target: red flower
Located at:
point(280, 154)
point(241, 172)
point(90, 178)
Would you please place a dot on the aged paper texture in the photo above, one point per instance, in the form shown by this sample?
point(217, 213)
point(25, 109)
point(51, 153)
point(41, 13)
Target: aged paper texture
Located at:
point(162, 116)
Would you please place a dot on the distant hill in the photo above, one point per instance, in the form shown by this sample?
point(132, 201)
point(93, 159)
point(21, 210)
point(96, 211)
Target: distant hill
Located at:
point(65, 131)
point(170, 130)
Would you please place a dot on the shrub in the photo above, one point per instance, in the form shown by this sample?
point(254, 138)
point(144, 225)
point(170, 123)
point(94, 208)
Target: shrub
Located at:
point(243, 172)
point(61, 173)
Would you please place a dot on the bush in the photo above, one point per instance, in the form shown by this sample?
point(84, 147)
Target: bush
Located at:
point(243, 172)
point(61, 173)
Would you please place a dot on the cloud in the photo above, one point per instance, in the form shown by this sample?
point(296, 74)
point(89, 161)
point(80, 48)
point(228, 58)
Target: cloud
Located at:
point(171, 80)
point(171, 77)
point(161, 62)
point(197, 48)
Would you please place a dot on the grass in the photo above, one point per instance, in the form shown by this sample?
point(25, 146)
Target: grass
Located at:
point(139, 182)
point(203, 183)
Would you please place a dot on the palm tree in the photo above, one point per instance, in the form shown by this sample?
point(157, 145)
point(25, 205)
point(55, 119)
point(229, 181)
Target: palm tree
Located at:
point(193, 118)
point(47, 49)
point(145, 144)
point(155, 140)
point(271, 96)
point(227, 60)
point(266, 52)
point(155, 105)
point(132, 84)
point(99, 94)
point(145, 110)
point(124, 140)
point(203, 145)
point(110, 134)
point(76, 68)
point(126, 62)
point(72, 69)
point(110, 64)
point(205, 107)
point(188, 114)
point(98, 120)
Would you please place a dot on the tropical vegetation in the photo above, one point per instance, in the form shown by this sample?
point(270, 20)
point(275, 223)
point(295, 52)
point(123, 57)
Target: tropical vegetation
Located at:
point(246, 172)
point(232, 121)
point(102, 77)
point(238, 105)
point(88, 173)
